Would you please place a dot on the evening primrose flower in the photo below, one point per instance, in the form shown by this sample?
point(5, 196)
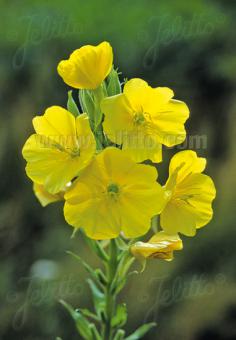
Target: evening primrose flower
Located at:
point(87, 66)
point(114, 194)
point(160, 246)
point(62, 146)
point(143, 118)
point(189, 195)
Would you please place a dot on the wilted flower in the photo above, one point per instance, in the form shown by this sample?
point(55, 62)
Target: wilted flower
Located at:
point(160, 246)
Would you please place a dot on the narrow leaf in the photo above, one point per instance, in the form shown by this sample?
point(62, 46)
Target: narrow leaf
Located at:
point(141, 331)
point(87, 267)
point(120, 334)
point(98, 297)
point(87, 313)
point(120, 317)
point(94, 331)
point(81, 322)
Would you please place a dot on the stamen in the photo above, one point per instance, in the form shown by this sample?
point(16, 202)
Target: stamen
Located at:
point(113, 190)
point(139, 118)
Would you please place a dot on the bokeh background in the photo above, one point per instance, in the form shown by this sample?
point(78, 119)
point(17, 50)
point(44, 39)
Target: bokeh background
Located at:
point(186, 45)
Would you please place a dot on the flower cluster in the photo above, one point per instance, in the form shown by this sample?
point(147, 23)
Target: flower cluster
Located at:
point(93, 159)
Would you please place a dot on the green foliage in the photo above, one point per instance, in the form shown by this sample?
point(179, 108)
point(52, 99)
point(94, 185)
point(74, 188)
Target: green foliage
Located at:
point(104, 286)
point(120, 317)
point(113, 83)
point(81, 322)
point(71, 105)
point(141, 331)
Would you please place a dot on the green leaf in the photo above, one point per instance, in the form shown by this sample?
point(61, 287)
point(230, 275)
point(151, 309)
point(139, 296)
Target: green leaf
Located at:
point(95, 334)
point(71, 105)
point(120, 334)
point(96, 246)
point(82, 324)
point(121, 244)
point(87, 313)
point(101, 252)
point(87, 267)
point(113, 83)
point(141, 331)
point(100, 275)
point(125, 262)
point(87, 104)
point(98, 297)
point(120, 317)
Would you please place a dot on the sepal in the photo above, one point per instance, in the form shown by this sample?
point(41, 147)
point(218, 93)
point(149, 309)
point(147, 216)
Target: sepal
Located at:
point(71, 105)
point(120, 317)
point(87, 104)
point(113, 83)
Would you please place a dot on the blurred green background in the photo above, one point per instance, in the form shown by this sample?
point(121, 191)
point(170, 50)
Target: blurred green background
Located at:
point(186, 45)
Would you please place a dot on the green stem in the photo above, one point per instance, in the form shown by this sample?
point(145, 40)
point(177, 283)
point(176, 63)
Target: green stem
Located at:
point(110, 296)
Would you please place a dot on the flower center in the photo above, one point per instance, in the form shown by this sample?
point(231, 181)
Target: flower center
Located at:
point(113, 190)
point(75, 152)
point(139, 118)
point(168, 194)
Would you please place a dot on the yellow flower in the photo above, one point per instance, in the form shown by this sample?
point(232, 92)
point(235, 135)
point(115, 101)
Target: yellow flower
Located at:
point(62, 146)
point(87, 66)
point(114, 194)
point(143, 118)
point(189, 195)
point(160, 246)
point(44, 196)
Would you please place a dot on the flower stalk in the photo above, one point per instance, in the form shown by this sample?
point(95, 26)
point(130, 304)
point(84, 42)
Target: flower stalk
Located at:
point(109, 294)
point(108, 318)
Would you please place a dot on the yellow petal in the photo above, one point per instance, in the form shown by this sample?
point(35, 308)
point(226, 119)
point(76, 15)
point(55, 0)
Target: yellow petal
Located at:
point(62, 149)
point(119, 127)
point(87, 66)
point(55, 123)
point(118, 117)
point(49, 166)
point(85, 140)
point(143, 97)
point(169, 121)
point(136, 92)
point(175, 218)
point(96, 217)
point(113, 194)
point(143, 118)
point(44, 196)
point(187, 162)
point(136, 210)
point(141, 146)
point(197, 191)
